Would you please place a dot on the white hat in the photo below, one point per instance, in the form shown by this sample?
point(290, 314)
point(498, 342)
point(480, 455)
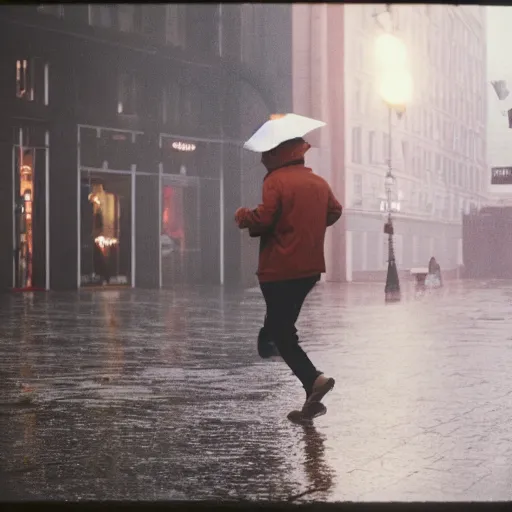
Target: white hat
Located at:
point(280, 129)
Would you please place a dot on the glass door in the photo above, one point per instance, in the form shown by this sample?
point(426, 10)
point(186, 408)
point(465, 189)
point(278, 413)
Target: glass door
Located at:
point(23, 222)
point(180, 235)
point(29, 217)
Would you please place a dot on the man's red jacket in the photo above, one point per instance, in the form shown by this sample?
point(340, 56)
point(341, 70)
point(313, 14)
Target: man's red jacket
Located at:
point(297, 207)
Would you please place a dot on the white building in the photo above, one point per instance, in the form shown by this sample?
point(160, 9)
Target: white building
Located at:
point(439, 146)
point(499, 67)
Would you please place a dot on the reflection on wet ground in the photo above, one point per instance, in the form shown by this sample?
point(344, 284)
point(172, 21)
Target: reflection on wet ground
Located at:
point(152, 395)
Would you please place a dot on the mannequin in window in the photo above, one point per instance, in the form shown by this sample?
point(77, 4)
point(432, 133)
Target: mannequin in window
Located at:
point(99, 258)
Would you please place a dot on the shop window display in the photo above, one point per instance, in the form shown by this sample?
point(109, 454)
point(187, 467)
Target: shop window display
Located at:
point(24, 219)
point(105, 230)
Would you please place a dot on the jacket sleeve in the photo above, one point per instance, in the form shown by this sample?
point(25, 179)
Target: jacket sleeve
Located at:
point(334, 209)
point(264, 216)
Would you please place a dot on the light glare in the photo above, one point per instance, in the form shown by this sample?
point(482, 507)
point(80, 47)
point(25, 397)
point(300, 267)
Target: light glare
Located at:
point(390, 52)
point(395, 87)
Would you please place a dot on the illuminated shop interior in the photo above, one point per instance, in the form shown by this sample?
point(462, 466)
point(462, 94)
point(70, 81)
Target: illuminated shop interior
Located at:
point(24, 221)
point(103, 250)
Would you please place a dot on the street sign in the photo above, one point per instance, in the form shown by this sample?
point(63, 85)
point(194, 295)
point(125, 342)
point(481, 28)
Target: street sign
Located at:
point(501, 176)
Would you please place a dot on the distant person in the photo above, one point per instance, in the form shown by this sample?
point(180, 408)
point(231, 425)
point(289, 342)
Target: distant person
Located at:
point(433, 279)
point(292, 220)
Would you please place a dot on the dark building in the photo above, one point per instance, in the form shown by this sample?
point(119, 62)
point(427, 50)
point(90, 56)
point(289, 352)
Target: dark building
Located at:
point(121, 136)
point(487, 243)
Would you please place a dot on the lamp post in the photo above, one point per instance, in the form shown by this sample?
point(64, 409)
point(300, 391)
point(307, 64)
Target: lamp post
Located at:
point(395, 88)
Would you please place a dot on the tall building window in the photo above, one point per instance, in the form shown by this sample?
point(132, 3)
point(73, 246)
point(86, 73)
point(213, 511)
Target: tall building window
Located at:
point(25, 79)
point(460, 180)
point(358, 190)
point(126, 17)
point(202, 28)
point(153, 20)
point(33, 80)
point(405, 155)
point(175, 29)
point(357, 95)
point(102, 15)
point(76, 13)
point(371, 147)
point(192, 106)
point(386, 146)
point(172, 101)
point(46, 83)
point(356, 145)
point(52, 9)
point(437, 165)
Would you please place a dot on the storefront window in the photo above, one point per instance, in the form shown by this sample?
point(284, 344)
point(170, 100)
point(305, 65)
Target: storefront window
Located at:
point(191, 108)
point(180, 235)
point(29, 255)
point(24, 218)
point(202, 28)
point(105, 229)
point(190, 222)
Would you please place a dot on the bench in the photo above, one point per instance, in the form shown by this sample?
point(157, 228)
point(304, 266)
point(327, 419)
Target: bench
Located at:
point(420, 274)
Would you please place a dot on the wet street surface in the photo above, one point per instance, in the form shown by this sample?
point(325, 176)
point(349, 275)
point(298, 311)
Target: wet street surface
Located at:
point(149, 395)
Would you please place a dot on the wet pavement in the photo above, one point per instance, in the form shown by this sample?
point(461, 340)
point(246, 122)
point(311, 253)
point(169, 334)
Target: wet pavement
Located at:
point(148, 395)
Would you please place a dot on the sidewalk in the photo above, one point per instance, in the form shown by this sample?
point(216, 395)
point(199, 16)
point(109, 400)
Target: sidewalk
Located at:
point(157, 395)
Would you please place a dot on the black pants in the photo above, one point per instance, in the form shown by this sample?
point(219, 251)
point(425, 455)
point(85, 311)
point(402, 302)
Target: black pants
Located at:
point(284, 301)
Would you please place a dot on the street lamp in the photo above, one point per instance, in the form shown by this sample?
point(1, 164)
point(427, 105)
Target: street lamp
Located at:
point(395, 88)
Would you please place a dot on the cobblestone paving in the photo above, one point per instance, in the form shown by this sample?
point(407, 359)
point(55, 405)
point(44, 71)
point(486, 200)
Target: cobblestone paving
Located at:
point(160, 395)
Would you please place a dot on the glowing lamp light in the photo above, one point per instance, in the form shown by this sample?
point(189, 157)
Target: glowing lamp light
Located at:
point(102, 241)
point(396, 87)
point(390, 52)
point(274, 117)
point(183, 146)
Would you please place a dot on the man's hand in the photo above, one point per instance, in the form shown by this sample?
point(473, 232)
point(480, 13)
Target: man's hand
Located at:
point(262, 217)
point(240, 216)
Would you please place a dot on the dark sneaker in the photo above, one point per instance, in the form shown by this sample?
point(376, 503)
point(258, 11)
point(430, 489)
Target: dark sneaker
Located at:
point(321, 387)
point(302, 417)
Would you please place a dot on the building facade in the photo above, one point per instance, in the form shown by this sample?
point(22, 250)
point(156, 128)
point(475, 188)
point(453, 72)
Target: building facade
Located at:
point(121, 141)
point(486, 233)
point(499, 67)
point(438, 148)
